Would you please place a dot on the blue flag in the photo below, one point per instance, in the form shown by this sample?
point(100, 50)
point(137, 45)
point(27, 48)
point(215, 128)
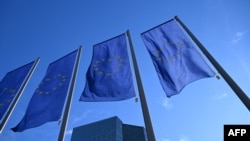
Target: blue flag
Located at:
point(48, 99)
point(176, 60)
point(109, 76)
point(11, 84)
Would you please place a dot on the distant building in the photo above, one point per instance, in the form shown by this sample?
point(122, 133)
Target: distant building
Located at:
point(111, 129)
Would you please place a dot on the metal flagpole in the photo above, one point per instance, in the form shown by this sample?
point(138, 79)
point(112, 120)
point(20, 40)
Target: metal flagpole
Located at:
point(146, 116)
point(17, 97)
point(238, 91)
point(69, 99)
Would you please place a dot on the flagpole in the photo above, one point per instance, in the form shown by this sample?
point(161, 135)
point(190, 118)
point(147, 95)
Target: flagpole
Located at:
point(238, 91)
point(69, 99)
point(17, 97)
point(144, 106)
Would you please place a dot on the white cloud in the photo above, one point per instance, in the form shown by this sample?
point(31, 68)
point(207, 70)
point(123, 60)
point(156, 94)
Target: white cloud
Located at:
point(82, 116)
point(166, 103)
point(219, 97)
point(184, 139)
point(238, 37)
point(90, 113)
point(165, 139)
point(68, 133)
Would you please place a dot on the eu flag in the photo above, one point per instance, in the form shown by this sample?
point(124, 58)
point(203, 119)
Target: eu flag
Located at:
point(48, 99)
point(11, 84)
point(176, 60)
point(109, 76)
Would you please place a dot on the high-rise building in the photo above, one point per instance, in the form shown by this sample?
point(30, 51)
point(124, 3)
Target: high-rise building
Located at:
point(111, 129)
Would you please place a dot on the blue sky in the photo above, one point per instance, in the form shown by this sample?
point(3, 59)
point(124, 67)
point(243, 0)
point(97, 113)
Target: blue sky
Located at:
point(52, 29)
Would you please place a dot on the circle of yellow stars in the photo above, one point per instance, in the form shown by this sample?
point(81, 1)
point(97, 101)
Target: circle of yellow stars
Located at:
point(40, 90)
point(159, 53)
point(109, 61)
point(9, 91)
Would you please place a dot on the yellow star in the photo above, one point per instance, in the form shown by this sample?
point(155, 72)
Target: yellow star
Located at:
point(5, 89)
point(54, 88)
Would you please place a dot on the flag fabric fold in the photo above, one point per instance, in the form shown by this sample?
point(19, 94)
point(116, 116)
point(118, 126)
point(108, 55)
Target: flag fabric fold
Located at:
point(11, 84)
point(48, 99)
point(174, 56)
point(109, 76)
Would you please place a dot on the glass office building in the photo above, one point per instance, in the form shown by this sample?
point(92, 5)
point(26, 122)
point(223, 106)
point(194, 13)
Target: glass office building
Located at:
point(111, 129)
